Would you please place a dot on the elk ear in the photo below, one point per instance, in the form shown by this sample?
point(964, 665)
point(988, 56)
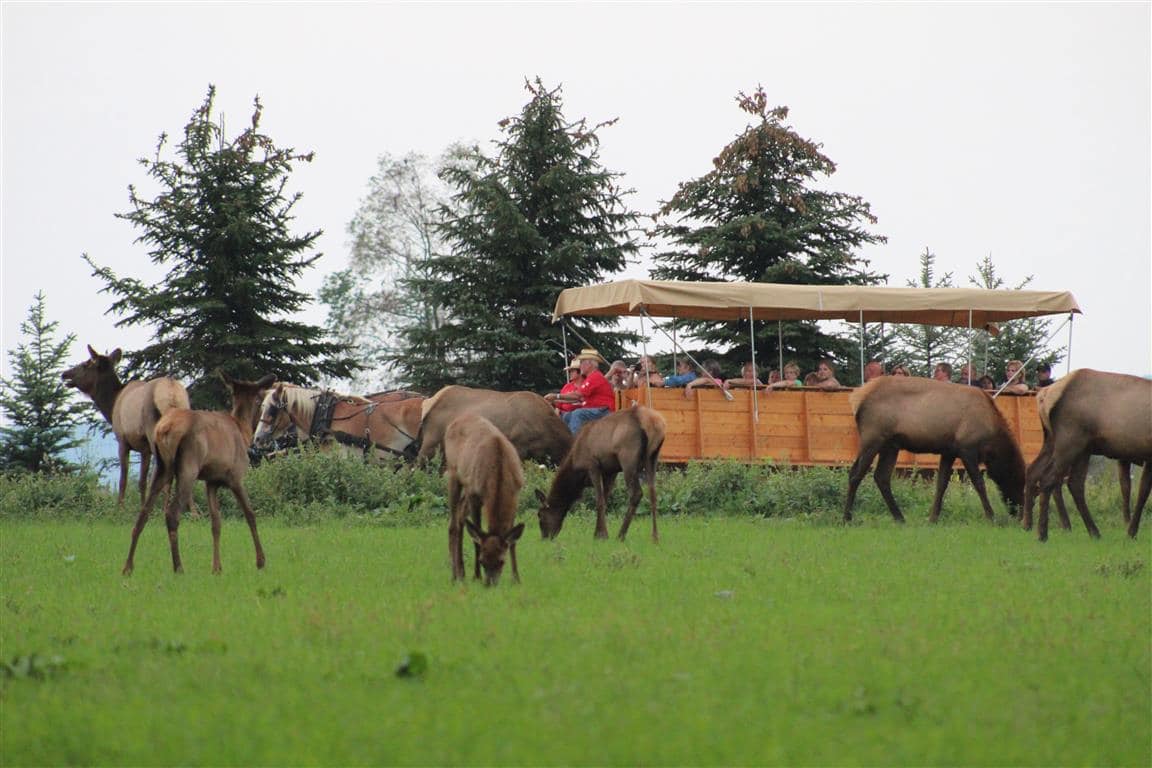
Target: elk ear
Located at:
point(474, 532)
point(115, 355)
point(541, 497)
point(514, 534)
point(92, 353)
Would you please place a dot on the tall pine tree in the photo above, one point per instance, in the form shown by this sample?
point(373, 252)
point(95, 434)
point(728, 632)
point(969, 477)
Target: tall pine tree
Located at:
point(920, 347)
point(541, 216)
point(42, 414)
point(762, 214)
point(220, 224)
point(1024, 340)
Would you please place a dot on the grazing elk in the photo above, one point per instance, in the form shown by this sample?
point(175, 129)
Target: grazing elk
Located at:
point(132, 409)
point(927, 416)
point(525, 418)
point(204, 445)
point(484, 472)
point(627, 441)
point(1090, 413)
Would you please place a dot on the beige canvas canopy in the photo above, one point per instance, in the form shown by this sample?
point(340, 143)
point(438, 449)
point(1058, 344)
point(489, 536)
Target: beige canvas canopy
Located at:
point(965, 307)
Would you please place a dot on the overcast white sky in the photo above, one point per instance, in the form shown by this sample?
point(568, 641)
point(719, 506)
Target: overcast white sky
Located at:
point(1020, 131)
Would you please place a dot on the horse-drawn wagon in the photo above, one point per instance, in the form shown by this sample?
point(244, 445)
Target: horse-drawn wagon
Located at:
point(801, 426)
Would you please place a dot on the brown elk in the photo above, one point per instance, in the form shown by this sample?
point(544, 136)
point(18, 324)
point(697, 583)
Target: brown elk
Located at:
point(1090, 413)
point(525, 418)
point(132, 408)
point(204, 445)
point(627, 441)
point(928, 416)
point(484, 472)
point(386, 421)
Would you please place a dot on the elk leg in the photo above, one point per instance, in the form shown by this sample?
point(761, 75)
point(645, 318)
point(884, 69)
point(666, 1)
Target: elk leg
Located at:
point(1076, 479)
point(1032, 477)
point(515, 570)
point(972, 467)
point(883, 478)
point(123, 451)
point(859, 469)
point(1141, 498)
point(210, 490)
point(598, 482)
point(160, 483)
point(177, 502)
point(943, 477)
point(250, 517)
point(145, 462)
point(650, 471)
point(1124, 471)
point(635, 494)
point(474, 515)
point(455, 523)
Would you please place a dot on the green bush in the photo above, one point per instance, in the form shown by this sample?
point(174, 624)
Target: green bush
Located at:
point(33, 495)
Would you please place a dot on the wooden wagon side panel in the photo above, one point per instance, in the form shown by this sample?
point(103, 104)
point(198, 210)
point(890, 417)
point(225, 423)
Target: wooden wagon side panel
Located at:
point(798, 427)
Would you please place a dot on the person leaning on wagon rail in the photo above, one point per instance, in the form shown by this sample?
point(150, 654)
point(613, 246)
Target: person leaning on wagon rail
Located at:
point(1044, 376)
point(711, 378)
point(594, 397)
point(684, 374)
point(968, 375)
point(646, 368)
point(619, 376)
point(900, 370)
point(791, 377)
point(825, 375)
point(1014, 378)
point(746, 380)
point(873, 369)
point(942, 372)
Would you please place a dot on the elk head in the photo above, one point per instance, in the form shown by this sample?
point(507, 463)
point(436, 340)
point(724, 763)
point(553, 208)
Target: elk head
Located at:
point(85, 376)
point(551, 517)
point(493, 549)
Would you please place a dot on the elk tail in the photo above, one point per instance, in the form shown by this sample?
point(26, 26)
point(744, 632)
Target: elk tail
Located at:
point(170, 432)
point(168, 394)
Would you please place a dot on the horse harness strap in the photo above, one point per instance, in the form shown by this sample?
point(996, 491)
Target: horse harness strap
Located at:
point(322, 415)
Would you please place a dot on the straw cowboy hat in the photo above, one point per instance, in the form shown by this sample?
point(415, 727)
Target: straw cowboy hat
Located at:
point(573, 366)
point(589, 353)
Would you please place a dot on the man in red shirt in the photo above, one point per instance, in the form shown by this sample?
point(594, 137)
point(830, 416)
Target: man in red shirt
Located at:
point(597, 399)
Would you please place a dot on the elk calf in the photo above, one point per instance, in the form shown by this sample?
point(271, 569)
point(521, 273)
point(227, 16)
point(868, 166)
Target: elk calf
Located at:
point(204, 445)
point(484, 472)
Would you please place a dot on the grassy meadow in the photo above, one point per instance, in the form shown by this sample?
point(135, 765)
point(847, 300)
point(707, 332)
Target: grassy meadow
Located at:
point(739, 639)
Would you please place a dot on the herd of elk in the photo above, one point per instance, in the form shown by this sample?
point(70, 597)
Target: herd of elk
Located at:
point(204, 445)
point(484, 472)
point(132, 409)
point(927, 416)
point(485, 436)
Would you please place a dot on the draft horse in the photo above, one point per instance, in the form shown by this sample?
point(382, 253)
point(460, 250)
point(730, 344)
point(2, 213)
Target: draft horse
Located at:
point(385, 421)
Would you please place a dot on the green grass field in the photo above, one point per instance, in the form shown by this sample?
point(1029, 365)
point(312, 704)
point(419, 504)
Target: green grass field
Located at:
point(735, 641)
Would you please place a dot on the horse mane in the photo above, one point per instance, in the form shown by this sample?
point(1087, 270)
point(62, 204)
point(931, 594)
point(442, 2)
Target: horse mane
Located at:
point(300, 400)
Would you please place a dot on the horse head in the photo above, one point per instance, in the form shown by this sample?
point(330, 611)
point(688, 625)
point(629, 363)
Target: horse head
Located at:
point(275, 417)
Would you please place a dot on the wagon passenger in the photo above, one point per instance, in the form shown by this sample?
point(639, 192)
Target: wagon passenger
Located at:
point(747, 379)
point(711, 378)
point(826, 375)
point(1014, 375)
point(791, 377)
point(646, 368)
point(596, 396)
point(570, 388)
point(684, 374)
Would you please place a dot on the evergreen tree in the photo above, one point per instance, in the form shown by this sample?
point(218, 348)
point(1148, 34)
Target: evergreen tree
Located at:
point(220, 226)
point(42, 415)
point(1024, 340)
point(762, 215)
point(920, 347)
point(541, 216)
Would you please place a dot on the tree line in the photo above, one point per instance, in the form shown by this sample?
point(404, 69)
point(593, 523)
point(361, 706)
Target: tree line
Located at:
point(456, 262)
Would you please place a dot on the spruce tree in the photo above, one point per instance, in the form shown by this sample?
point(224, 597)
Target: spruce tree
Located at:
point(42, 415)
point(763, 214)
point(540, 216)
point(220, 224)
point(1025, 339)
point(920, 347)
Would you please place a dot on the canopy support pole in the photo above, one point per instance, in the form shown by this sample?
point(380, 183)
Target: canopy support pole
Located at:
point(1052, 335)
point(861, 347)
point(687, 354)
point(564, 337)
point(968, 364)
point(644, 370)
point(780, 345)
point(755, 371)
point(1068, 361)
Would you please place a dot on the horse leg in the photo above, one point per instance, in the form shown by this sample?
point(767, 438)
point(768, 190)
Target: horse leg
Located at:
point(943, 477)
point(972, 467)
point(160, 483)
point(1124, 471)
point(600, 483)
point(1076, 479)
point(250, 517)
point(1141, 498)
point(635, 494)
point(883, 478)
point(856, 474)
point(211, 490)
